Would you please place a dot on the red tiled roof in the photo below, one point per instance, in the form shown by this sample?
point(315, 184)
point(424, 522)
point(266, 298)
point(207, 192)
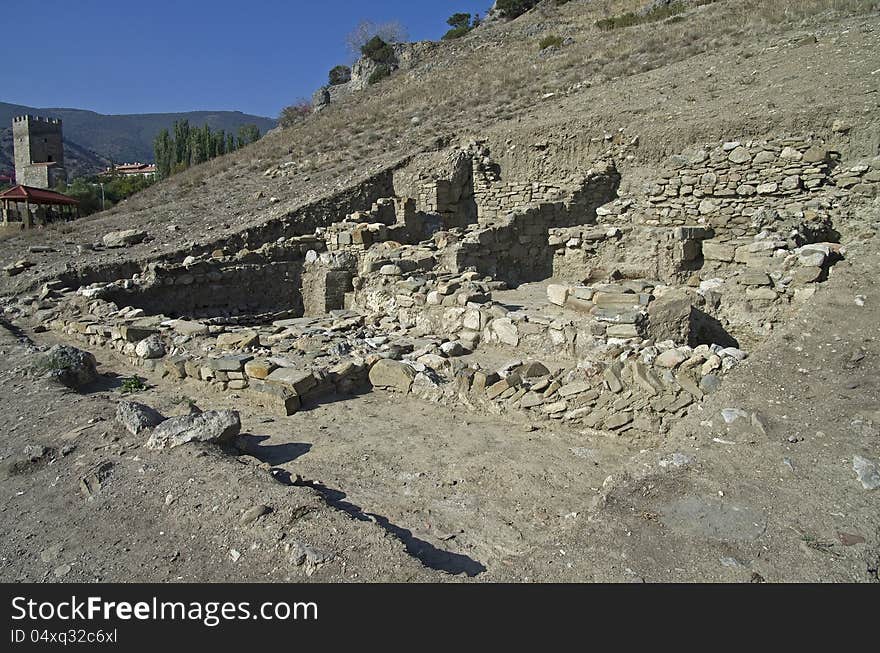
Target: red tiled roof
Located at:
point(131, 169)
point(22, 193)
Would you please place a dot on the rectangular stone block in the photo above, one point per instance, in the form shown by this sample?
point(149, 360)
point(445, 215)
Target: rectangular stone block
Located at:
point(135, 334)
point(297, 380)
point(281, 400)
point(718, 252)
point(229, 363)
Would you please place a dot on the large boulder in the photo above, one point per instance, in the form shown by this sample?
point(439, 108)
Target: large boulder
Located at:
point(214, 426)
point(69, 366)
point(150, 347)
point(669, 316)
point(392, 375)
point(123, 238)
point(137, 417)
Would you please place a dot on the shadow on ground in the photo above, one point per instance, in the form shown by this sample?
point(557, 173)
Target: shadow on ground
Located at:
point(428, 554)
point(274, 454)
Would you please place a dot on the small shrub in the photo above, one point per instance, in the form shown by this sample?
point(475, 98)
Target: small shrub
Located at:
point(513, 8)
point(339, 75)
point(390, 32)
point(295, 113)
point(456, 33)
point(133, 384)
point(550, 41)
point(630, 18)
point(378, 50)
point(381, 72)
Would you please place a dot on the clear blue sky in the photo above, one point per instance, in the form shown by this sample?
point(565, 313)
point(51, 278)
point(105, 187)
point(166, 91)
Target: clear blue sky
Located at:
point(146, 56)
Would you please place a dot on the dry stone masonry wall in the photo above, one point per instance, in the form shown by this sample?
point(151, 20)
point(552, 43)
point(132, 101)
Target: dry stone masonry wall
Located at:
point(617, 313)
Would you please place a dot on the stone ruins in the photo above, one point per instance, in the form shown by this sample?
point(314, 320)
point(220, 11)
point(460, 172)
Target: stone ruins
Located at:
point(450, 278)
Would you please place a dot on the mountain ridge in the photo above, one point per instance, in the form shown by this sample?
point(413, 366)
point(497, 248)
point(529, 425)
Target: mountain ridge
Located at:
point(101, 138)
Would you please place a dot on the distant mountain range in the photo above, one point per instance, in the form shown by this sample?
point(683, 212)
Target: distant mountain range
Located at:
point(92, 140)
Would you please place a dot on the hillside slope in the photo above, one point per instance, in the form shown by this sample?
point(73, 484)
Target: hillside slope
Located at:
point(727, 70)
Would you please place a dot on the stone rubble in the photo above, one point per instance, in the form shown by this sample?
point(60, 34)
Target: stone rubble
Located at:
point(642, 295)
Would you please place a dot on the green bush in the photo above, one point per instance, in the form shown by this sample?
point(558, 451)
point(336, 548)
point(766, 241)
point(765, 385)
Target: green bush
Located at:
point(514, 8)
point(378, 50)
point(657, 14)
point(456, 33)
point(133, 384)
point(551, 41)
point(461, 23)
point(339, 75)
point(295, 113)
point(381, 72)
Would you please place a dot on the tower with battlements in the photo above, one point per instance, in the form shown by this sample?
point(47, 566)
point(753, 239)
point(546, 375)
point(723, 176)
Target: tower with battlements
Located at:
point(39, 151)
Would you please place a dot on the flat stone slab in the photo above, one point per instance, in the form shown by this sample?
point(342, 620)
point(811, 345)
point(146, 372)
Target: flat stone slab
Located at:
point(229, 363)
point(300, 381)
point(572, 389)
point(188, 327)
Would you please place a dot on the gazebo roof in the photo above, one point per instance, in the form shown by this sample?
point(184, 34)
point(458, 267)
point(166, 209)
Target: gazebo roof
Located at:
point(22, 193)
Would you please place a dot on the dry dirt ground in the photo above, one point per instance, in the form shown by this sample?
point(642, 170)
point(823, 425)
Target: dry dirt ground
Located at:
point(389, 488)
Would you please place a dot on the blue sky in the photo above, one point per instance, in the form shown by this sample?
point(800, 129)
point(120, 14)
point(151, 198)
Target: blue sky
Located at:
point(148, 56)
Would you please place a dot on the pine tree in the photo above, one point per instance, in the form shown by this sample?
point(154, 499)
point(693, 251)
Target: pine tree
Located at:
point(163, 151)
point(248, 134)
point(182, 150)
point(220, 142)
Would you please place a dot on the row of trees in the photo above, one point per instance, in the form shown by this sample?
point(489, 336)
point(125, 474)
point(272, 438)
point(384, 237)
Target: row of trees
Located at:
point(186, 146)
point(92, 197)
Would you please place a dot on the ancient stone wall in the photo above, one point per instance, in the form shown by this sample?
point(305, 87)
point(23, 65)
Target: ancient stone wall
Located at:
point(248, 282)
point(324, 289)
point(218, 288)
point(440, 183)
point(591, 252)
point(494, 197)
point(300, 224)
point(516, 249)
point(305, 220)
point(726, 185)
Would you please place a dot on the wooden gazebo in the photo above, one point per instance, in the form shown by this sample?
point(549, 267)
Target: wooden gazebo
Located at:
point(25, 207)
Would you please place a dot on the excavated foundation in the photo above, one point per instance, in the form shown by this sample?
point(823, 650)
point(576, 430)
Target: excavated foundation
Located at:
point(558, 301)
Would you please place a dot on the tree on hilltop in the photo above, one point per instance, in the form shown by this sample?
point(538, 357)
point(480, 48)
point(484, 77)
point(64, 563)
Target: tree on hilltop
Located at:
point(460, 24)
point(513, 8)
point(390, 32)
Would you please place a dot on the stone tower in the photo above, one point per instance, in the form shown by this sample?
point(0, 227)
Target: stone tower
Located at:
point(39, 151)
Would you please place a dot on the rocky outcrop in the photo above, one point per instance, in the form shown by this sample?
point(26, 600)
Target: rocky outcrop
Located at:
point(406, 55)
